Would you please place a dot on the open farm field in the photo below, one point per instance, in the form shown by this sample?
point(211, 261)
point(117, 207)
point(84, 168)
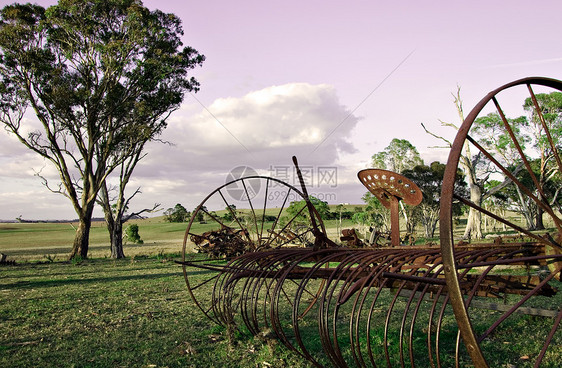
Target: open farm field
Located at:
point(39, 241)
point(53, 241)
point(107, 313)
point(136, 312)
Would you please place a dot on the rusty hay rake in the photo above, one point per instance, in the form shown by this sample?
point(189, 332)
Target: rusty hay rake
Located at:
point(454, 304)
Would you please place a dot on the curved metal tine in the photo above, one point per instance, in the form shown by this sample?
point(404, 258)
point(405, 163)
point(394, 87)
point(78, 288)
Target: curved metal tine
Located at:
point(520, 185)
point(407, 259)
point(218, 299)
point(379, 283)
point(432, 311)
point(382, 261)
point(335, 283)
point(545, 127)
point(436, 265)
point(235, 284)
point(276, 307)
point(463, 257)
point(508, 223)
point(258, 234)
point(246, 298)
point(233, 213)
point(222, 296)
point(378, 262)
point(322, 259)
point(518, 146)
point(263, 283)
point(354, 265)
point(260, 264)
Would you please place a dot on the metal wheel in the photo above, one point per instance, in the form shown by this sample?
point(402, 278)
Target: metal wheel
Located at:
point(521, 275)
point(244, 215)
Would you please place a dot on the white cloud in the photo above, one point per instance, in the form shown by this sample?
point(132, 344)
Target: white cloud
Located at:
point(266, 127)
point(291, 115)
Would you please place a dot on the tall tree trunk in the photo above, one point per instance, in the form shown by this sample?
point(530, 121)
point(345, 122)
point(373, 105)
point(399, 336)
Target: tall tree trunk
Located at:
point(114, 225)
point(117, 241)
point(539, 224)
point(525, 210)
point(82, 237)
point(473, 228)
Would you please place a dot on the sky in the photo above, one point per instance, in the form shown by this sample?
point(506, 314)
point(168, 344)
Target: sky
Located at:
point(331, 82)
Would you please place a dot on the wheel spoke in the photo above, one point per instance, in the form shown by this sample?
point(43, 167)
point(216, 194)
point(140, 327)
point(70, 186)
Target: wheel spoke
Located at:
point(515, 141)
point(545, 206)
point(545, 127)
point(518, 304)
point(254, 217)
point(246, 233)
point(274, 225)
point(504, 221)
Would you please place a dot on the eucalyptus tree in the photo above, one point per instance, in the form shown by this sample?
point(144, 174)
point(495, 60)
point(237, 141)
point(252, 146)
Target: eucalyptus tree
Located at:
point(469, 163)
point(398, 156)
point(430, 179)
point(101, 76)
point(548, 120)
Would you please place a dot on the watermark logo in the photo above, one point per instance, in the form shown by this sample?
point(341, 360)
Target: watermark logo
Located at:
point(316, 178)
point(242, 190)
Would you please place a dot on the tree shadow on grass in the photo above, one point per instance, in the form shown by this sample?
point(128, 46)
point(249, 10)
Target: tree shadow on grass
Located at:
point(83, 281)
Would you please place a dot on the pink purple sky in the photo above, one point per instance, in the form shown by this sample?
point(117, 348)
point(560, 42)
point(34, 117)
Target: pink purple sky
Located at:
point(332, 82)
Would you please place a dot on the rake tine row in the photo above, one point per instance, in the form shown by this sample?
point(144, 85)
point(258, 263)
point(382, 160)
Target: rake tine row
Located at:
point(364, 307)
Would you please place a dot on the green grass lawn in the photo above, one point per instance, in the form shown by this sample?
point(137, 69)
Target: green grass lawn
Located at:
point(39, 241)
point(107, 313)
point(136, 312)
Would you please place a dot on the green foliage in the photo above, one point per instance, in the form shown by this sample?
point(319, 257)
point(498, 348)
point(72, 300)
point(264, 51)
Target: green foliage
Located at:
point(430, 179)
point(177, 214)
point(200, 214)
point(398, 156)
point(298, 209)
point(229, 213)
point(379, 216)
point(77, 260)
point(101, 76)
point(490, 132)
point(132, 233)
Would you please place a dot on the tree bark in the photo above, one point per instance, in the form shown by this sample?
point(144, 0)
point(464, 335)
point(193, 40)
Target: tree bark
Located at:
point(82, 237)
point(114, 224)
point(115, 230)
point(473, 228)
point(117, 241)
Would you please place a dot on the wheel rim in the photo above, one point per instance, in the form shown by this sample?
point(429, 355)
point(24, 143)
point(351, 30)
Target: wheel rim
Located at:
point(451, 261)
point(260, 225)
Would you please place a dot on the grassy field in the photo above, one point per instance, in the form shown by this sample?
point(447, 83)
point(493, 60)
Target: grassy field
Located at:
point(107, 313)
point(42, 241)
point(53, 241)
point(136, 312)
